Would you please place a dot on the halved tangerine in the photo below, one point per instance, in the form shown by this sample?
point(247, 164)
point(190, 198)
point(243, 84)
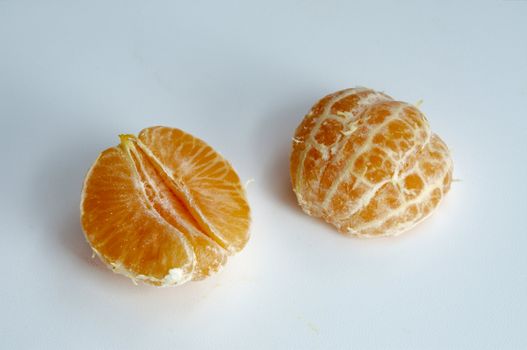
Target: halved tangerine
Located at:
point(164, 208)
point(367, 164)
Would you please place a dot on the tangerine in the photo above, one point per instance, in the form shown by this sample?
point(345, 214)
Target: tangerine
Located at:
point(367, 164)
point(164, 208)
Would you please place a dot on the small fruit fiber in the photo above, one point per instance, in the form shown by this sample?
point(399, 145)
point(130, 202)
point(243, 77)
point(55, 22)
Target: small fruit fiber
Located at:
point(164, 208)
point(367, 164)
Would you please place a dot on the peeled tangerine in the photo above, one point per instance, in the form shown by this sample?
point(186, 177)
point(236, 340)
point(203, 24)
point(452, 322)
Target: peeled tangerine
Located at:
point(164, 208)
point(367, 164)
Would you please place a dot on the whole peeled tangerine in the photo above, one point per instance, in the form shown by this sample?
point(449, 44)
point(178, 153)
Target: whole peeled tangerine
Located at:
point(367, 164)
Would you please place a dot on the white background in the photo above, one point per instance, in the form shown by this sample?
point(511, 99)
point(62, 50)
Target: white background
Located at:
point(241, 75)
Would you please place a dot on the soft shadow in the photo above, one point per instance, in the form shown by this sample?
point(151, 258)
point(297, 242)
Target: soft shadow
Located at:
point(71, 237)
point(276, 133)
point(58, 189)
point(278, 170)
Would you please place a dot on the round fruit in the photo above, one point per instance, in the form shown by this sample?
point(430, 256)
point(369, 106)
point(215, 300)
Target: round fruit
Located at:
point(367, 164)
point(164, 208)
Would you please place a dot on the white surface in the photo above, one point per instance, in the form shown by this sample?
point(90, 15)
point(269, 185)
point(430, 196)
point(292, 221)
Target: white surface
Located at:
point(73, 76)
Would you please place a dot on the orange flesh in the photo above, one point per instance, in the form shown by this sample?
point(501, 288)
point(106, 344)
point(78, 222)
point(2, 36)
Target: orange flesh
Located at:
point(368, 164)
point(148, 220)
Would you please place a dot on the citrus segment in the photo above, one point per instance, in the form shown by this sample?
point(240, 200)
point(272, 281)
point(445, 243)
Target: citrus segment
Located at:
point(206, 182)
point(210, 256)
point(124, 229)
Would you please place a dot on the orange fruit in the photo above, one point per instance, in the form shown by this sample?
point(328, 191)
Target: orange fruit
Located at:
point(164, 208)
point(367, 164)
